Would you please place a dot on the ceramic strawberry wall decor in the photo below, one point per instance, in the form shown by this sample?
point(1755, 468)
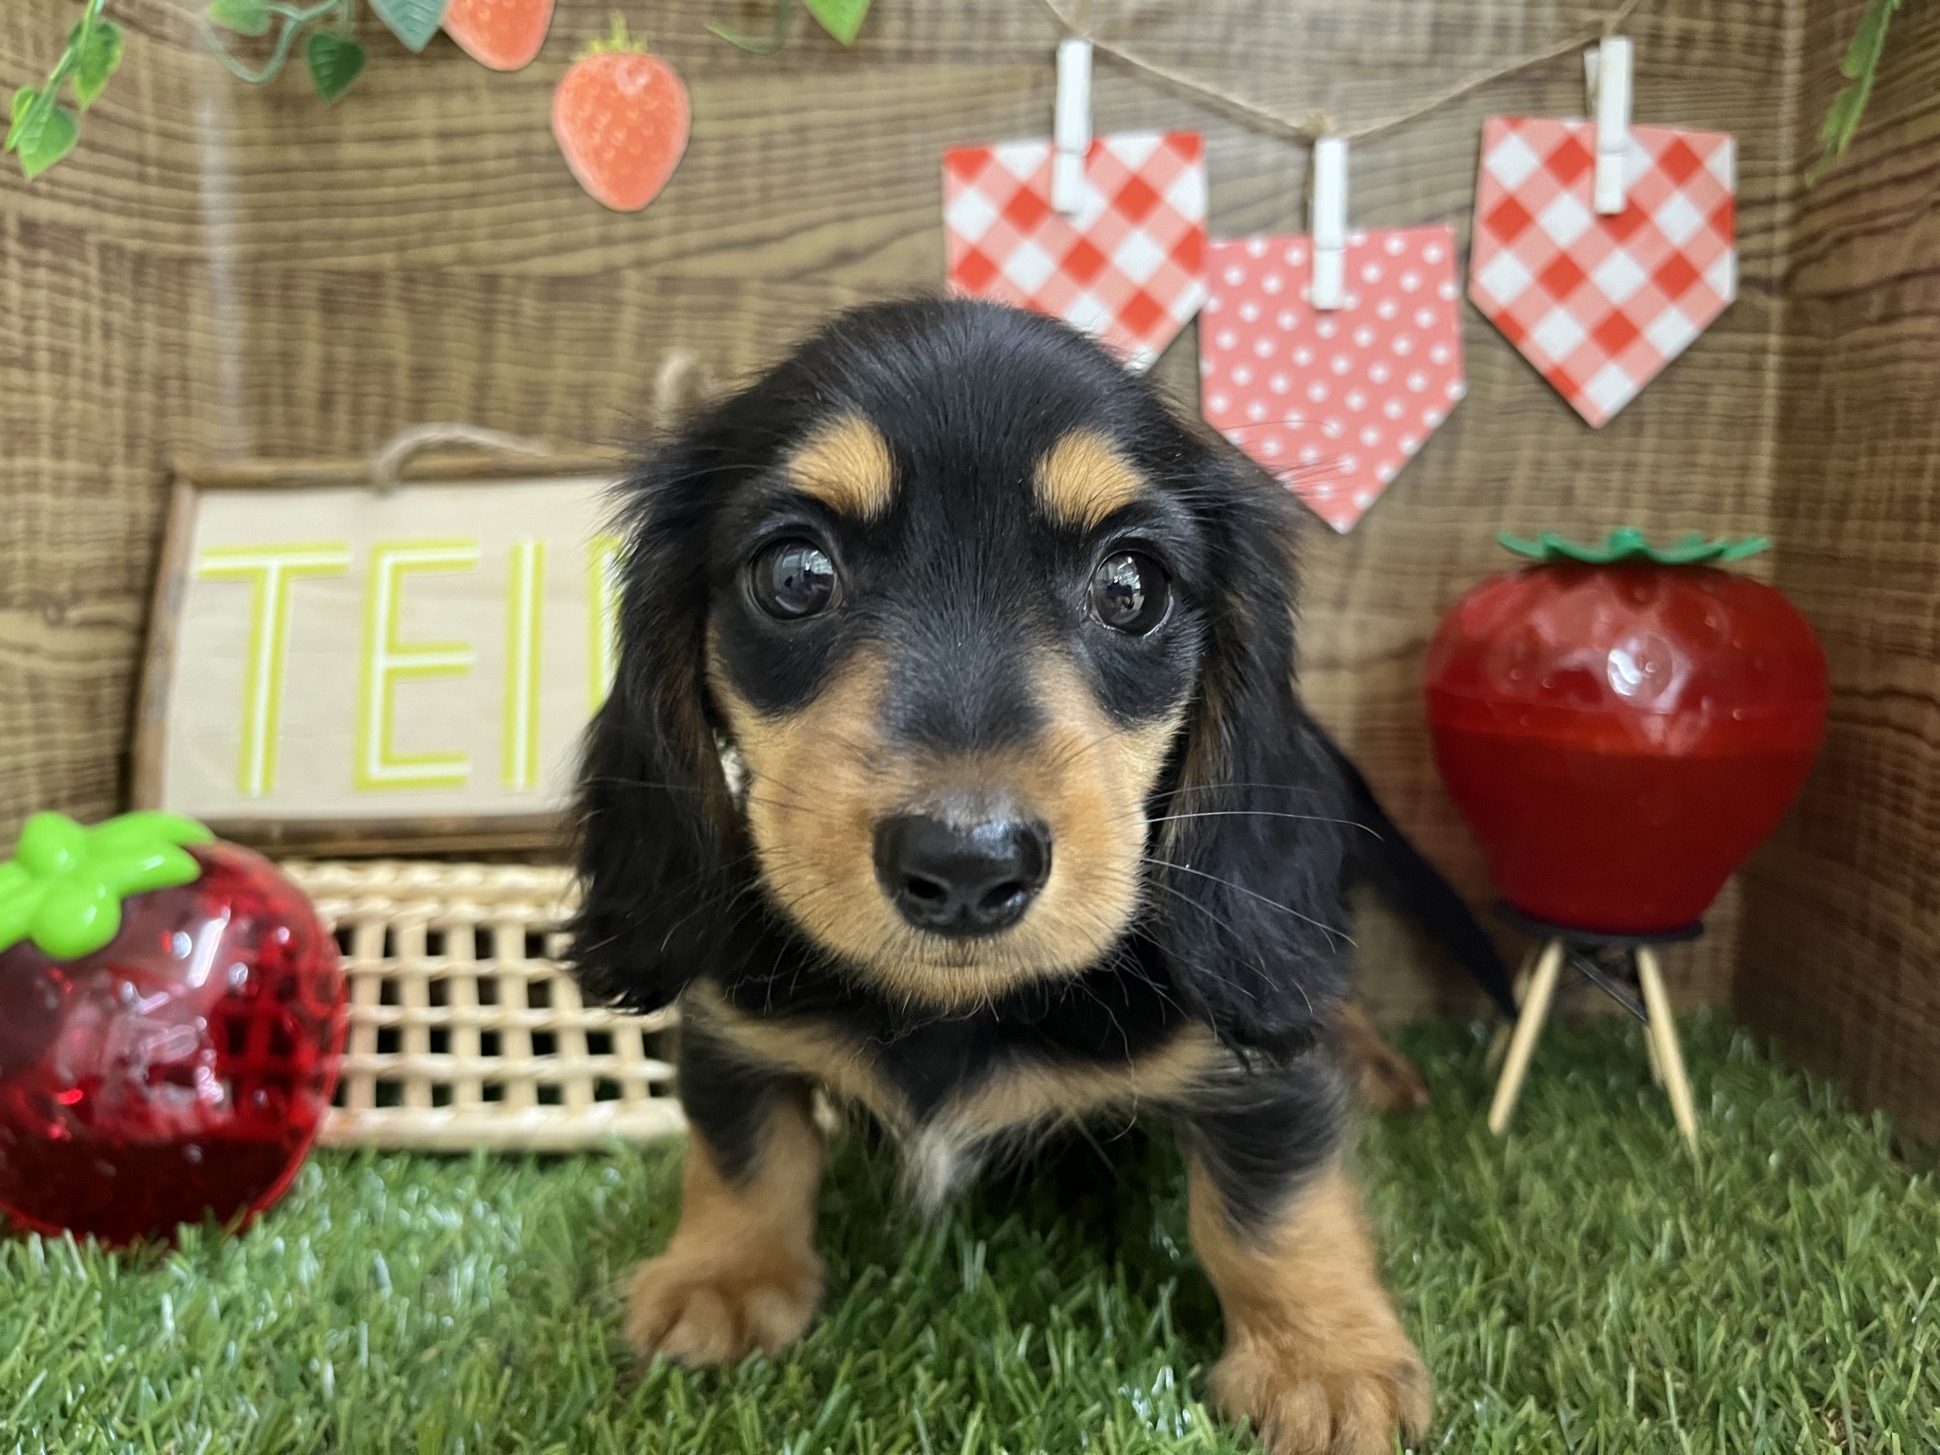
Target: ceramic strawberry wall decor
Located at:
point(1333, 402)
point(1126, 266)
point(503, 35)
point(1601, 303)
point(621, 118)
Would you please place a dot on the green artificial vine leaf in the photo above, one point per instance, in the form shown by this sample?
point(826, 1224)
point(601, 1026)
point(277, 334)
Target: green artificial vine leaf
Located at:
point(245, 17)
point(784, 16)
point(97, 55)
point(64, 886)
point(1860, 68)
point(40, 129)
point(840, 18)
point(42, 132)
point(412, 21)
point(1627, 543)
point(335, 61)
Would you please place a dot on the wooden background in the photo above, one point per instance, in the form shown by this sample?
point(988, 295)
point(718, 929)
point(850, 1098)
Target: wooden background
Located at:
point(226, 271)
point(1840, 953)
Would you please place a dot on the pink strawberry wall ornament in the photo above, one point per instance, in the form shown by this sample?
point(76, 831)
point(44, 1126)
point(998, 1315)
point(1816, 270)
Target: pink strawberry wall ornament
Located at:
point(503, 35)
point(171, 1022)
point(621, 118)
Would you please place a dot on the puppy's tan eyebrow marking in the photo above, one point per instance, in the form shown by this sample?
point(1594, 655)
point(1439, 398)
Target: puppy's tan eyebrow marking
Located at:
point(846, 465)
point(1081, 480)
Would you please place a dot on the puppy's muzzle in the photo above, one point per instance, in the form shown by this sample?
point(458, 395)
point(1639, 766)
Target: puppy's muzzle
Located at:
point(962, 876)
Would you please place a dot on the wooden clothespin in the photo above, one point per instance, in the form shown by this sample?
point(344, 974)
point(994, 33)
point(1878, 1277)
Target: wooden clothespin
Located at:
point(1329, 223)
point(1071, 132)
point(1606, 66)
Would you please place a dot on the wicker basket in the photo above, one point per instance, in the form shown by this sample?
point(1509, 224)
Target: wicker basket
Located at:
point(464, 1030)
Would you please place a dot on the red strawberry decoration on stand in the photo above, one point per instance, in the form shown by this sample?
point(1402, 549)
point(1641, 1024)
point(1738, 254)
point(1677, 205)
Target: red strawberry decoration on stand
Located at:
point(621, 117)
point(503, 35)
point(1620, 725)
point(171, 1021)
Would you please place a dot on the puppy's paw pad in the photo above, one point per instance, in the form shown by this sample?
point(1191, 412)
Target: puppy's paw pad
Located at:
point(693, 1313)
point(1299, 1410)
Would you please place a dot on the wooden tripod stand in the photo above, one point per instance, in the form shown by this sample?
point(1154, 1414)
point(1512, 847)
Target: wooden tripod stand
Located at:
point(1625, 968)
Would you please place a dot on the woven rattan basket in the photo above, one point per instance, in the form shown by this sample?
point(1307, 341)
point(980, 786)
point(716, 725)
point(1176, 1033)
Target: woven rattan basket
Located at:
point(465, 1031)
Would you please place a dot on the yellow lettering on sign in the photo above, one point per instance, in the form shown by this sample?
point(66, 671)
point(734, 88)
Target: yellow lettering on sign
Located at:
point(603, 591)
point(271, 571)
point(525, 597)
point(386, 661)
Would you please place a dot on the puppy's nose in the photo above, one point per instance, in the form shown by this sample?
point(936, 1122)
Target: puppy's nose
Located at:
point(971, 879)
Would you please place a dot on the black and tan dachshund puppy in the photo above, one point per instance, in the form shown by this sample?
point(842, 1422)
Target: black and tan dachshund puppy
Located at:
point(954, 765)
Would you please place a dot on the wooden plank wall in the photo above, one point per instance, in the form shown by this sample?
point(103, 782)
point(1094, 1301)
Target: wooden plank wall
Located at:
point(1840, 952)
point(243, 272)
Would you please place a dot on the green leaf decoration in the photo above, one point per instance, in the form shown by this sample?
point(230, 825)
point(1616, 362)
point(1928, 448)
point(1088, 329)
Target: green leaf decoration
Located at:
point(64, 886)
point(245, 17)
point(1627, 543)
point(1860, 67)
point(784, 16)
point(23, 99)
point(840, 18)
point(335, 61)
point(97, 55)
point(412, 21)
point(42, 133)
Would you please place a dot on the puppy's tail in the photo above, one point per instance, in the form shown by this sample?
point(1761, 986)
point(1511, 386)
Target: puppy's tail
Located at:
point(1402, 872)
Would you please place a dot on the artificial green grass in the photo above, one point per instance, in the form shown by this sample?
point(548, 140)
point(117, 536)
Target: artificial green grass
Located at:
point(1578, 1288)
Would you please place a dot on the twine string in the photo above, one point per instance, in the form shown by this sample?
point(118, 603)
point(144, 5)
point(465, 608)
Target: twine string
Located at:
point(389, 460)
point(1310, 125)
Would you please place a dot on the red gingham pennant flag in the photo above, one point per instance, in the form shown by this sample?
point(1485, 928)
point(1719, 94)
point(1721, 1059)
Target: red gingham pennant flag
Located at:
point(1599, 304)
point(1128, 268)
point(1332, 402)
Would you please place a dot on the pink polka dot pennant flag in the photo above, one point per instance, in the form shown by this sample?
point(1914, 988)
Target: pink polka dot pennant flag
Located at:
point(1600, 303)
point(1333, 402)
point(1127, 266)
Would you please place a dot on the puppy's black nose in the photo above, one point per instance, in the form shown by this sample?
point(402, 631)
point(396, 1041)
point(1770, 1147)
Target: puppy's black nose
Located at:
point(970, 880)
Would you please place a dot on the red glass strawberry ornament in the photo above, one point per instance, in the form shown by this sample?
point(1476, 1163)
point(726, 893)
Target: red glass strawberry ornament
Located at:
point(171, 1021)
point(1621, 725)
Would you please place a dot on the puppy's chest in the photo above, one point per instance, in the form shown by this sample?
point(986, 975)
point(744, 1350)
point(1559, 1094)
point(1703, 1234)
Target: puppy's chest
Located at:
point(949, 1090)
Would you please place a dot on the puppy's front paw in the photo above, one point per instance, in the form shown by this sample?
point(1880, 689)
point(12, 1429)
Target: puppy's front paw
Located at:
point(1308, 1407)
point(699, 1311)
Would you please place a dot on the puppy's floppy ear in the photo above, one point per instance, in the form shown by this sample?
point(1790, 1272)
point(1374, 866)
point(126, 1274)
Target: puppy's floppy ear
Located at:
point(656, 823)
point(1251, 913)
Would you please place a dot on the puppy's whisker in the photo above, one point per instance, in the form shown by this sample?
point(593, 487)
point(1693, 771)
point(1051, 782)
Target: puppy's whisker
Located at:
point(1225, 924)
point(1325, 929)
point(1347, 823)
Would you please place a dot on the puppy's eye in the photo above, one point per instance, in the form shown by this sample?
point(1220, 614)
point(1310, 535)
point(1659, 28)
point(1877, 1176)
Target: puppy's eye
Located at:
point(1129, 592)
point(793, 579)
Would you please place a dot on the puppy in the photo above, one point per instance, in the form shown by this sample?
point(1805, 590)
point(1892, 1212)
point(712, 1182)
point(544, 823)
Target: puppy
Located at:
point(954, 765)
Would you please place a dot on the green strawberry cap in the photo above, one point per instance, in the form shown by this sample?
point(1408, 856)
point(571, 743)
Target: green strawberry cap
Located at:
point(1627, 543)
point(64, 885)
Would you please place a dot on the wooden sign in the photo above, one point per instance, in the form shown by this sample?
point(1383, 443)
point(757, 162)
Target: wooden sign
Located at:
point(334, 667)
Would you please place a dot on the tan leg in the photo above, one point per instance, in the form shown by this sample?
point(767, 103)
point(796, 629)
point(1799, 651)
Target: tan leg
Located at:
point(1499, 1042)
point(1529, 1026)
point(1315, 1355)
point(741, 1272)
point(1650, 1049)
point(1388, 1079)
point(1663, 1035)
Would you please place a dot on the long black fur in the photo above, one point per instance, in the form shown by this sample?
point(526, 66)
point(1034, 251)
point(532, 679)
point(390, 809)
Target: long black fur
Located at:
point(1245, 926)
